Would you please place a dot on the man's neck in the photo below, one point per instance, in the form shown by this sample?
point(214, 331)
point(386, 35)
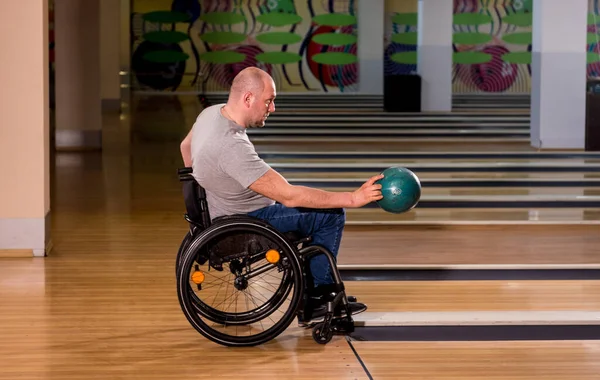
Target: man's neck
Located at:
point(227, 113)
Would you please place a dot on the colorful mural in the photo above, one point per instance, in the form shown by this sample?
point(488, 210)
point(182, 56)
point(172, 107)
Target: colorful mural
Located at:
point(400, 39)
point(200, 45)
point(492, 46)
point(507, 49)
point(491, 43)
point(593, 39)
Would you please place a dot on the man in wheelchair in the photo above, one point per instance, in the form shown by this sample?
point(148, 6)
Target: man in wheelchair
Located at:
point(237, 181)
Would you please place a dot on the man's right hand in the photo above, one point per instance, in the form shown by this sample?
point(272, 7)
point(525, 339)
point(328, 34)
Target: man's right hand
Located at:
point(368, 192)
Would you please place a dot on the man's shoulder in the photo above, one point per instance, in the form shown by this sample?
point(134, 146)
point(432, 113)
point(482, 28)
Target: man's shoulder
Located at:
point(210, 110)
point(207, 121)
point(215, 106)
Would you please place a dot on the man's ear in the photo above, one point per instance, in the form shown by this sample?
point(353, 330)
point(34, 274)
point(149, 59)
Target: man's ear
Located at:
point(248, 99)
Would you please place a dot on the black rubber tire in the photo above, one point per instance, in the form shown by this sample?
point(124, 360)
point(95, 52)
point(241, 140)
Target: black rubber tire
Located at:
point(317, 331)
point(184, 244)
point(189, 306)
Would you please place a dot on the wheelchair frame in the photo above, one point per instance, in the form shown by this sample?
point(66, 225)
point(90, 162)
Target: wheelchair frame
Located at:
point(201, 227)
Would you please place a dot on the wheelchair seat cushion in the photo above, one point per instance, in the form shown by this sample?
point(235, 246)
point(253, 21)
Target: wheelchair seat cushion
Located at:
point(291, 236)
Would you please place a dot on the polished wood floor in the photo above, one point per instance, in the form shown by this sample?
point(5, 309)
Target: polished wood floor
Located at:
point(103, 304)
point(556, 360)
point(113, 314)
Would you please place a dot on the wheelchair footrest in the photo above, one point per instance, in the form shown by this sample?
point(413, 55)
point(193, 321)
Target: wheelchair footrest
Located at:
point(324, 331)
point(342, 325)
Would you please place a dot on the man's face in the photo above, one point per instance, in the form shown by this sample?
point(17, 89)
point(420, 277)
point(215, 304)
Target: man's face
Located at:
point(262, 106)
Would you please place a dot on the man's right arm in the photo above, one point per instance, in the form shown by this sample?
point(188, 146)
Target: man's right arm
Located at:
point(274, 186)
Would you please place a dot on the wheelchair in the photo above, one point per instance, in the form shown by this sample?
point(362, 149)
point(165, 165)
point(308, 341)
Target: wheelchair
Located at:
point(240, 251)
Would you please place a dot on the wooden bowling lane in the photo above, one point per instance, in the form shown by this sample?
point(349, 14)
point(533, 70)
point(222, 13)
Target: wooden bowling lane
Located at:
point(474, 216)
point(395, 146)
point(477, 295)
point(450, 175)
point(350, 119)
point(486, 244)
point(140, 203)
point(416, 138)
point(469, 167)
point(366, 159)
point(508, 302)
point(492, 192)
point(467, 360)
point(370, 111)
point(308, 111)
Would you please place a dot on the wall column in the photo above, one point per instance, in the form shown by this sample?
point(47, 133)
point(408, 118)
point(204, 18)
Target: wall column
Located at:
point(78, 97)
point(434, 54)
point(24, 135)
point(370, 46)
point(558, 74)
point(110, 49)
point(125, 53)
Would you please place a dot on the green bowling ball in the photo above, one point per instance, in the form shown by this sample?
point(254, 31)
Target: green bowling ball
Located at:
point(401, 190)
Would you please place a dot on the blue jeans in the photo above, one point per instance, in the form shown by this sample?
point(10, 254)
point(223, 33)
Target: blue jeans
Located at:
point(324, 225)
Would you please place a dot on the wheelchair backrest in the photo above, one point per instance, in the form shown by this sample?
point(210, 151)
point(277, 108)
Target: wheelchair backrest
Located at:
point(194, 197)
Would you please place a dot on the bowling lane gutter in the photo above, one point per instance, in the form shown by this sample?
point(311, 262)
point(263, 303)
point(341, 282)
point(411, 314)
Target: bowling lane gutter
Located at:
point(354, 167)
point(297, 135)
point(380, 116)
point(454, 183)
point(366, 126)
point(551, 202)
point(457, 132)
point(424, 155)
point(462, 333)
point(483, 272)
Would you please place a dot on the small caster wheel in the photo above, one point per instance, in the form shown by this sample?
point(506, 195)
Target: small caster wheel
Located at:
point(320, 335)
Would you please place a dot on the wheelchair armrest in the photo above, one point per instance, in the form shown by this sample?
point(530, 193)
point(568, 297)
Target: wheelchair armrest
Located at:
point(186, 170)
point(185, 174)
point(304, 240)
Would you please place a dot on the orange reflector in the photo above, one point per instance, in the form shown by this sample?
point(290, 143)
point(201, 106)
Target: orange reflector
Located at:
point(272, 256)
point(198, 277)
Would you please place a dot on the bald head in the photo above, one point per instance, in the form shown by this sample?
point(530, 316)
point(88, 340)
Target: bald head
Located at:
point(251, 97)
point(250, 79)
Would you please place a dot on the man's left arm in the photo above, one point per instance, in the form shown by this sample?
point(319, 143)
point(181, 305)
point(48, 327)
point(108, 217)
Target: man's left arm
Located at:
point(186, 149)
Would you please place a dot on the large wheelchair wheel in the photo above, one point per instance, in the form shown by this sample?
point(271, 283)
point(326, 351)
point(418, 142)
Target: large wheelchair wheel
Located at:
point(184, 244)
point(266, 284)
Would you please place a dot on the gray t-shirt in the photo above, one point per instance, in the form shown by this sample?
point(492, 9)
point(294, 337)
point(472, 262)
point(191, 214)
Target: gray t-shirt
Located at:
point(225, 163)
